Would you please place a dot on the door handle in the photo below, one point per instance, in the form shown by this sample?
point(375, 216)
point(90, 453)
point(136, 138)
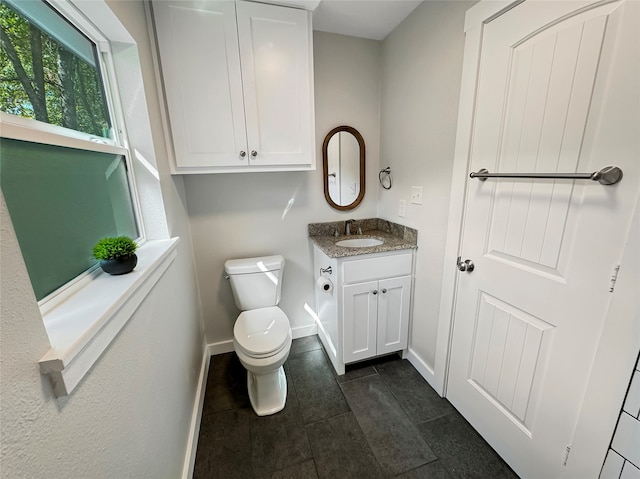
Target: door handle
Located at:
point(466, 265)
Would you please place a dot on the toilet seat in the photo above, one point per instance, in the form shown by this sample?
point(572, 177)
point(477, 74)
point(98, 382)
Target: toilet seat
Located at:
point(262, 332)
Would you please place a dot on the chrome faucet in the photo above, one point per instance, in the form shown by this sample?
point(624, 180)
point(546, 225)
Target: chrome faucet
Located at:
point(347, 226)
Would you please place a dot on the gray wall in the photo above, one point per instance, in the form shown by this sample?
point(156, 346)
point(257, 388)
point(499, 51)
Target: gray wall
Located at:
point(402, 94)
point(421, 75)
point(242, 215)
point(130, 416)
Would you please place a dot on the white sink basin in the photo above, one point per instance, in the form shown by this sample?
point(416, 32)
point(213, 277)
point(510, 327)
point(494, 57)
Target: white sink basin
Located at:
point(359, 242)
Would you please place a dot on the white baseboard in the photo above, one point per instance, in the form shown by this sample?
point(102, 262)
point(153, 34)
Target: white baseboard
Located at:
point(222, 347)
point(304, 331)
point(196, 417)
point(425, 371)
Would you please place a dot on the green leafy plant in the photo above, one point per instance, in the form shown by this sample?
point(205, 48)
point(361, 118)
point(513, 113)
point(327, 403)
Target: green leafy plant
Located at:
point(118, 247)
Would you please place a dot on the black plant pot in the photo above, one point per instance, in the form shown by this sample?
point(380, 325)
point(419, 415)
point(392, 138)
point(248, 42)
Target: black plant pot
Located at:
point(119, 266)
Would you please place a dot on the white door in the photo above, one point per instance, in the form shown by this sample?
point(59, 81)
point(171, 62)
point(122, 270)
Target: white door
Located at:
point(276, 74)
point(360, 319)
point(198, 43)
point(393, 314)
point(557, 91)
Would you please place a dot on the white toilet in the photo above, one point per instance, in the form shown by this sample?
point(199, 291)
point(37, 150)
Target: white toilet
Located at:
point(261, 334)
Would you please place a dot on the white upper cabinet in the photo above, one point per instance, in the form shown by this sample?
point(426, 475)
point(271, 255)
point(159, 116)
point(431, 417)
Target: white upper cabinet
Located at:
point(275, 53)
point(238, 81)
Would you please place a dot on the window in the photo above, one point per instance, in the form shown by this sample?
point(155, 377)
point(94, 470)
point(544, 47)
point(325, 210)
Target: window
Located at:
point(64, 168)
point(50, 71)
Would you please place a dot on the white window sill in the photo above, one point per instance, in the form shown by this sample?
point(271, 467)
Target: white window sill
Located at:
point(81, 328)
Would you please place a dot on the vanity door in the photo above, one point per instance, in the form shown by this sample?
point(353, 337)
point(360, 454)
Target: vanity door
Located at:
point(393, 314)
point(360, 318)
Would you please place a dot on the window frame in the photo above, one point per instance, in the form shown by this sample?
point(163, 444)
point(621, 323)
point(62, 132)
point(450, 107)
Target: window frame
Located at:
point(35, 131)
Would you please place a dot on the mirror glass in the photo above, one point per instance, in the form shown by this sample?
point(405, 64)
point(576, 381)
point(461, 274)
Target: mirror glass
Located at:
point(343, 165)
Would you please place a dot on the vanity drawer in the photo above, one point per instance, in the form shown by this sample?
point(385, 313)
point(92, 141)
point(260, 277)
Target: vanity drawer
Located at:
point(387, 266)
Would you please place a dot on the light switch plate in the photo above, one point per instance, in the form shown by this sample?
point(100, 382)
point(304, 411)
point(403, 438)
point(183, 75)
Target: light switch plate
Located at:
point(402, 209)
point(416, 195)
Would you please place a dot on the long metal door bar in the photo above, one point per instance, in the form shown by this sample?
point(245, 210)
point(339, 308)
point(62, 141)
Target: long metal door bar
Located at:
point(606, 176)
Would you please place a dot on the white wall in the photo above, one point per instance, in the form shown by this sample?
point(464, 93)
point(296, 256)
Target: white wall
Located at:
point(130, 416)
point(421, 75)
point(245, 214)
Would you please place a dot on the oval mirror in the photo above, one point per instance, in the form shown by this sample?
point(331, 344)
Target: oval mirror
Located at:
point(343, 167)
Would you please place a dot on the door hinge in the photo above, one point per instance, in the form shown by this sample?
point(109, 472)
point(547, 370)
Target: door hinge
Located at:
point(614, 278)
point(565, 457)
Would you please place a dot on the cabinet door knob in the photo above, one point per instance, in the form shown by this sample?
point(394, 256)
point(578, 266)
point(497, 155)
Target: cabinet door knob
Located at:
point(375, 291)
point(384, 290)
point(243, 154)
point(254, 153)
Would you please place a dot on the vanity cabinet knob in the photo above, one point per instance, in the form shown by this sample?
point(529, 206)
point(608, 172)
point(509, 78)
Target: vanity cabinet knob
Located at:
point(243, 154)
point(384, 290)
point(375, 291)
point(254, 153)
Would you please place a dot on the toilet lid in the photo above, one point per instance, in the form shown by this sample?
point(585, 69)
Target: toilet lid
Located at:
point(262, 332)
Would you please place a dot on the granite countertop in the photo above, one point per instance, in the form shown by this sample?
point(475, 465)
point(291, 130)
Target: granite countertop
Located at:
point(395, 236)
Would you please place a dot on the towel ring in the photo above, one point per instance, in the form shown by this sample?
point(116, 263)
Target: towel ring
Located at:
point(385, 174)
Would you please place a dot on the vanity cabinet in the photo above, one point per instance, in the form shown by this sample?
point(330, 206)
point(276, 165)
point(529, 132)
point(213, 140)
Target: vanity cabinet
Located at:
point(367, 312)
point(376, 317)
point(238, 85)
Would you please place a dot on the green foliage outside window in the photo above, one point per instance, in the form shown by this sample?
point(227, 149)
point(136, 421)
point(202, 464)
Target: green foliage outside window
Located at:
point(42, 79)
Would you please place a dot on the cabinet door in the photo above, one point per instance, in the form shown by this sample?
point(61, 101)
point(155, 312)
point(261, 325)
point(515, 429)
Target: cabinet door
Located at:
point(275, 51)
point(198, 44)
point(359, 314)
point(393, 314)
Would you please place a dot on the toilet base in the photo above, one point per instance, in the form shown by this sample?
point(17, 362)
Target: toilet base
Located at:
point(267, 392)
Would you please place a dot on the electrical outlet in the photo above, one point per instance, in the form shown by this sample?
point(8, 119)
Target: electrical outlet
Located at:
point(402, 209)
point(416, 195)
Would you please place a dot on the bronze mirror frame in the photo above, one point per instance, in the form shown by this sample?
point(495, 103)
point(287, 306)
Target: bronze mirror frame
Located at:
point(325, 167)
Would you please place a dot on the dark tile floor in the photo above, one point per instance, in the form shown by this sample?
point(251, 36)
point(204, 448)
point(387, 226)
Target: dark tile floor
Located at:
point(381, 419)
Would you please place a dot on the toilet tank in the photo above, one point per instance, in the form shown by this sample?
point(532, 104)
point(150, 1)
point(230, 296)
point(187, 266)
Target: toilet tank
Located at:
point(255, 282)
